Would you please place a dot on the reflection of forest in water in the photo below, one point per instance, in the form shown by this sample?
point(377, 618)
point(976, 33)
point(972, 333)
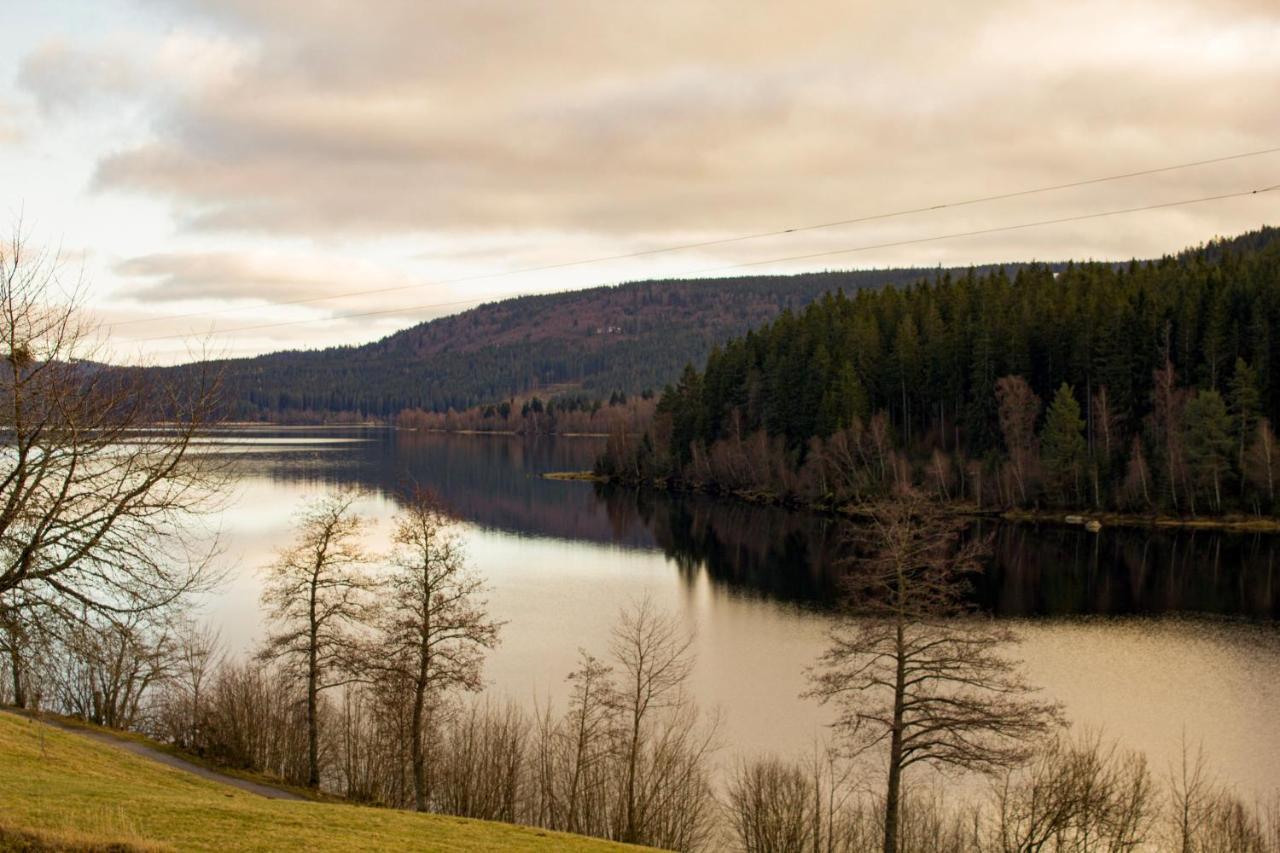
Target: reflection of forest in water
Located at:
point(495, 482)
point(490, 480)
point(1034, 570)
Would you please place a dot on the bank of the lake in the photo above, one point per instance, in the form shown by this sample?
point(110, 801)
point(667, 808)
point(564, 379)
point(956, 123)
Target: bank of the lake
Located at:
point(1080, 517)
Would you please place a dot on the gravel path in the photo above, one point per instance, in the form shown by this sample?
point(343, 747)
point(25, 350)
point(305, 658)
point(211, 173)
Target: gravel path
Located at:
point(175, 762)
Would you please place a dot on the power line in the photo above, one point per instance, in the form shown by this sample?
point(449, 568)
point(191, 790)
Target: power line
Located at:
point(997, 230)
point(708, 243)
point(846, 251)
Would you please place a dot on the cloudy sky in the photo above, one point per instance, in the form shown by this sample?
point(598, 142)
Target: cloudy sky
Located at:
point(204, 161)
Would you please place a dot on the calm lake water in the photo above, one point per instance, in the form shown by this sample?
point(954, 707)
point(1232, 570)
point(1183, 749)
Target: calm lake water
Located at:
point(1148, 637)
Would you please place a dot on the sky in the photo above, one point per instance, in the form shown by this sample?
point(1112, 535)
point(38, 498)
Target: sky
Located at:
point(200, 162)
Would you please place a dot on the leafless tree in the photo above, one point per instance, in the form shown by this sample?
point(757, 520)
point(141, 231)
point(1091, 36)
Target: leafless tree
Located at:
point(1137, 489)
point(1205, 815)
point(481, 761)
point(655, 658)
point(1168, 421)
point(1076, 795)
point(433, 626)
point(589, 733)
point(912, 669)
point(319, 594)
point(1260, 461)
point(1104, 423)
point(99, 482)
point(196, 654)
point(772, 806)
point(26, 635)
point(254, 719)
point(1019, 408)
point(103, 669)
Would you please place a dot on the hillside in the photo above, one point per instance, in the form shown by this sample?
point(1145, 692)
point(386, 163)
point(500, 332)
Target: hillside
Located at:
point(1145, 387)
point(628, 338)
point(62, 791)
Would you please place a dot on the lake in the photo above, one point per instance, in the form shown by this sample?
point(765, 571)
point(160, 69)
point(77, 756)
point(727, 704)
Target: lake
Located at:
point(1149, 637)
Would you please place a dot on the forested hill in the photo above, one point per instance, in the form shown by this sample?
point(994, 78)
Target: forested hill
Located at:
point(625, 338)
point(1142, 386)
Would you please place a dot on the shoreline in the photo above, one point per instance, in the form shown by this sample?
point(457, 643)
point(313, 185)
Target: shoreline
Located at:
point(1091, 520)
point(511, 433)
point(581, 476)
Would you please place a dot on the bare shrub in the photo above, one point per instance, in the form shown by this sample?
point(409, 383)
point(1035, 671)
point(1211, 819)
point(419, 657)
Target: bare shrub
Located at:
point(1074, 795)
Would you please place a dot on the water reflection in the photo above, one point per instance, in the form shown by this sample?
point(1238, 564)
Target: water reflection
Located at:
point(1035, 570)
point(1055, 571)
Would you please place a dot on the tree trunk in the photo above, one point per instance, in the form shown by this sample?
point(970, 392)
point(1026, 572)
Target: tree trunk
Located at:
point(418, 753)
point(629, 831)
point(893, 790)
point(313, 687)
point(313, 727)
point(15, 666)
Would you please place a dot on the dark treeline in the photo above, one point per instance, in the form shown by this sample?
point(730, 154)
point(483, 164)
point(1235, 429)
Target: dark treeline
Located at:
point(1142, 387)
point(574, 413)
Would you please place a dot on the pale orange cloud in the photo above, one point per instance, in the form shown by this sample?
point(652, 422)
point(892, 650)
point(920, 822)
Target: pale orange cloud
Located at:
point(490, 134)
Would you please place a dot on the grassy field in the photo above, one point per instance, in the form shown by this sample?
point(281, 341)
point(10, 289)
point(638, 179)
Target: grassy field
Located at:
point(62, 791)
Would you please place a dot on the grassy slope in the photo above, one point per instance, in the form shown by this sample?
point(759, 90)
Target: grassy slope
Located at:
point(59, 784)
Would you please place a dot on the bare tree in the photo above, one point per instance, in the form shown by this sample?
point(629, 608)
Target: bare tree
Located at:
point(1019, 409)
point(197, 652)
point(912, 669)
point(254, 719)
point(772, 806)
point(1260, 461)
point(1168, 417)
point(655, 658)
point(103, 669)
point(25, 636)
point(592, 721)
point(1074, 796)
point(434, 628)
point(99, 484)
point(319, 594)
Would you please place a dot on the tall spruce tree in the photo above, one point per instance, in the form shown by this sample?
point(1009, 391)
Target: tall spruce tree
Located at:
point(1245, 406)
point(1209, 446)
point(1062, 446)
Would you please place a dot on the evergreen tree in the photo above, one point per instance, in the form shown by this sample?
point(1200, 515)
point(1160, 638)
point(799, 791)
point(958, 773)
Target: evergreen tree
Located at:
point(1245, 406)
point(1209, 445)
point(844, 400)
point(1062, 445)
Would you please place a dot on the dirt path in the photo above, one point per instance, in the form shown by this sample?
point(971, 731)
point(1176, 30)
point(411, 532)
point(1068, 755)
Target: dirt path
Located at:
point(174, 761)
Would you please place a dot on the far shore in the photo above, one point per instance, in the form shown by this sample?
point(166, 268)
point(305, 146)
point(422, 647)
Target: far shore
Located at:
point(508, 432)
point(586, 476)
point(1093, 521)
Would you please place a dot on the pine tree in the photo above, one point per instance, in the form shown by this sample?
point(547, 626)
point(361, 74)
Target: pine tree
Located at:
point(1244, 404)
point(844, 400)
point(1209, 444)
point(1062, 445)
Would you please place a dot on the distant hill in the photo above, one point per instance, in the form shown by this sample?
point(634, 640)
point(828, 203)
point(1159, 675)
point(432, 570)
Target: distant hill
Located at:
point(626, 338)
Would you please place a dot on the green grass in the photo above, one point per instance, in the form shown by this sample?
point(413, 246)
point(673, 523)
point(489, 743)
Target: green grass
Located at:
point(170, 749)
point(62, 791)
